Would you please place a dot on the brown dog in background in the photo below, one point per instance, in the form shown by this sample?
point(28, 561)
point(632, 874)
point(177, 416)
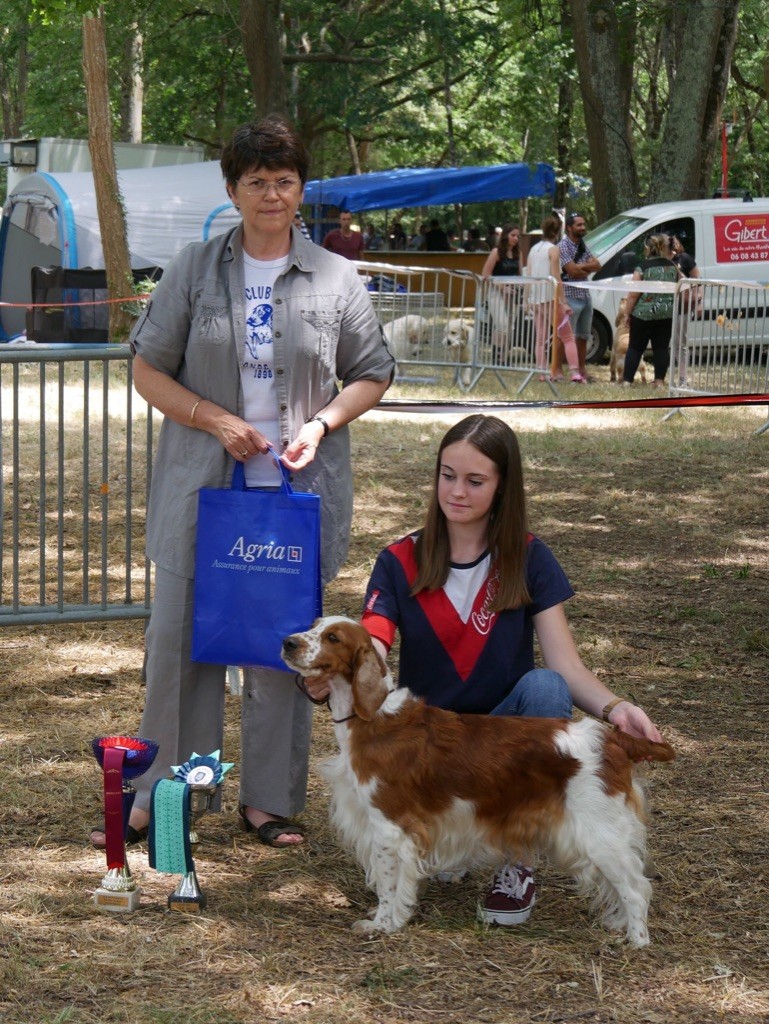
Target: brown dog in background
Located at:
point(619, 347)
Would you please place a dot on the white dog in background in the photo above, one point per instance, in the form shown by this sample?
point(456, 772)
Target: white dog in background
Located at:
point(406, 336)
point(459, 336)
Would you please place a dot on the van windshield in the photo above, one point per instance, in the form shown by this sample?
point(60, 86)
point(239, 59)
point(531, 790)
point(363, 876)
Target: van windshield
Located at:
point(607, 235)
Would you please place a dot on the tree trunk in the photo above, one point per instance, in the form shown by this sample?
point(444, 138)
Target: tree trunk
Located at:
point(447, 98)
point(696, 97)
point(353, 151)
point(604, 42)
point(13, 86)
point(564, 113)
point(263, 46)
point(133, 87)
point(108, 202)
point(719, 82)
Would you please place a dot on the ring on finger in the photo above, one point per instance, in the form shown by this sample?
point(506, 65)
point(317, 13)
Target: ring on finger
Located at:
point(244, 454)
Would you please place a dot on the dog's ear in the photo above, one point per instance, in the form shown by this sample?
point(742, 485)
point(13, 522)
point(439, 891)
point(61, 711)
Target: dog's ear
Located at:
point(368, 686)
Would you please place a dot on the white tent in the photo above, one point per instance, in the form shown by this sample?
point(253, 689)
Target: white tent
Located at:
point(52, 219)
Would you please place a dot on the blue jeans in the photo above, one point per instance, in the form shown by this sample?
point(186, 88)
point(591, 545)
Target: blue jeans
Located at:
point(540, 693)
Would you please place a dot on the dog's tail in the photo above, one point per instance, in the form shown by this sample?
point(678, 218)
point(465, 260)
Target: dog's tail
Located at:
point(638, 749)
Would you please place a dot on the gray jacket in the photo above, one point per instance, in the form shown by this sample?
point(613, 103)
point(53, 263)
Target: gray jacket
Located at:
point(325, 330)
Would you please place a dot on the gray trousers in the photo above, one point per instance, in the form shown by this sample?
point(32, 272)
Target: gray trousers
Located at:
point(184, 711)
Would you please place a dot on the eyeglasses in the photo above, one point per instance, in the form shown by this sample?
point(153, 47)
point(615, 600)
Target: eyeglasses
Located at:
point(260, 187)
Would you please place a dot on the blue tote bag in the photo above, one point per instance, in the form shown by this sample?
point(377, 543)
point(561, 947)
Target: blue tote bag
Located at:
point(257, 571)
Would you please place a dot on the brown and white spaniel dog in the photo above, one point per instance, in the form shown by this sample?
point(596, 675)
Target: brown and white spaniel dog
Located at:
point(417, 790)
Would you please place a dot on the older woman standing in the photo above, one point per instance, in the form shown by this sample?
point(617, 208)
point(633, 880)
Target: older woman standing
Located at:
point(241, 347)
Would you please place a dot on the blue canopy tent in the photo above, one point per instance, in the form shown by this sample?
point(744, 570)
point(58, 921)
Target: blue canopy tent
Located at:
point(430, 186)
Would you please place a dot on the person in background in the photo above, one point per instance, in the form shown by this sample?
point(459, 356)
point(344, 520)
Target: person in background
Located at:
point(692, 300)
point(504, 260)
point(436, 239)
point(372, 239)
point(417, 240)
point(577, 264)
point(397, 236)
point(492, 236)
point(650, 314)
point(343, 240)
point(544, 261)
point(504, 303)
point(466, 596)
point(240, 348)
point(474, 241)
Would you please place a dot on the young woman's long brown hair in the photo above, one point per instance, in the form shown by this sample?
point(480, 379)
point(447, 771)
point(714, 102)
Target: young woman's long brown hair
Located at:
point(505, 250)
point(508, 525)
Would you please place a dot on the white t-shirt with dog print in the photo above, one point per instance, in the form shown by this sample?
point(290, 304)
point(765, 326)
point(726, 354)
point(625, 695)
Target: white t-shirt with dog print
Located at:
point(257, 369)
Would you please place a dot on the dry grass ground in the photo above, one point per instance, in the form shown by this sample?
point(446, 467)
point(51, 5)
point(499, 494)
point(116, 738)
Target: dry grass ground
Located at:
point(663, 530)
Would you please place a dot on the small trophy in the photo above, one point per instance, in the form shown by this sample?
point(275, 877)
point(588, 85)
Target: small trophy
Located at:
point(121, 758)
point(175, 809)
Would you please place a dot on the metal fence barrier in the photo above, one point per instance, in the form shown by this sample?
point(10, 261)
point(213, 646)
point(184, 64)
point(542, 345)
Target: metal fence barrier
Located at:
point(76, 461)
point(428, 317)
point(456, 320)
point(76, 455)
point(515, 321)
point(720, 339)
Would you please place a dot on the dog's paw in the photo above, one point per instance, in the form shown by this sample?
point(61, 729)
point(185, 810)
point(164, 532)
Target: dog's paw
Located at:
point(637, 936)
point(451, 877)
point(369, 927)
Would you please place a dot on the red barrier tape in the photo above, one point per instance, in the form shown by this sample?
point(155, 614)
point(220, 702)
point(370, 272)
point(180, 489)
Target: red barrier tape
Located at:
point(437, 404)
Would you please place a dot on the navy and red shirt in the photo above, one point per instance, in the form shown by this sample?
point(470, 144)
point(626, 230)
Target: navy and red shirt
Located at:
point(464, 666)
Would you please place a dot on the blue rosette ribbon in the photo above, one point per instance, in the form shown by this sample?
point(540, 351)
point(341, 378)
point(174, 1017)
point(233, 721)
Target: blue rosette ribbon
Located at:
point(169, 836)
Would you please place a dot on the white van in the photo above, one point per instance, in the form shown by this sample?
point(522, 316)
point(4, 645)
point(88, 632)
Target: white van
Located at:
point(728, 238)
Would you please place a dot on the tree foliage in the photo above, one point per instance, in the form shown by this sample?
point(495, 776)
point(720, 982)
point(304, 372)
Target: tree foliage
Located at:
point(688, 50)
point(627, 93)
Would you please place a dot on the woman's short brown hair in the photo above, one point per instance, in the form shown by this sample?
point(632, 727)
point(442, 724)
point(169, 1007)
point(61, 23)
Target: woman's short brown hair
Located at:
point(272, 143)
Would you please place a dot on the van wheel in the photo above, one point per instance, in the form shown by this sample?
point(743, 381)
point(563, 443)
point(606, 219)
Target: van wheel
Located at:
point(599, 341)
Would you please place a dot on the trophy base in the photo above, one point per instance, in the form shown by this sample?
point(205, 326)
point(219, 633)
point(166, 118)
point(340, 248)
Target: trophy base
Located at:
point(187, 904)
point(117, 902)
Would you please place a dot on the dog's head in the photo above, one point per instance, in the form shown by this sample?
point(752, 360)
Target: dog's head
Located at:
point(458, 332)
point(418, 329)
point(341, 649)
point(621, 312)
